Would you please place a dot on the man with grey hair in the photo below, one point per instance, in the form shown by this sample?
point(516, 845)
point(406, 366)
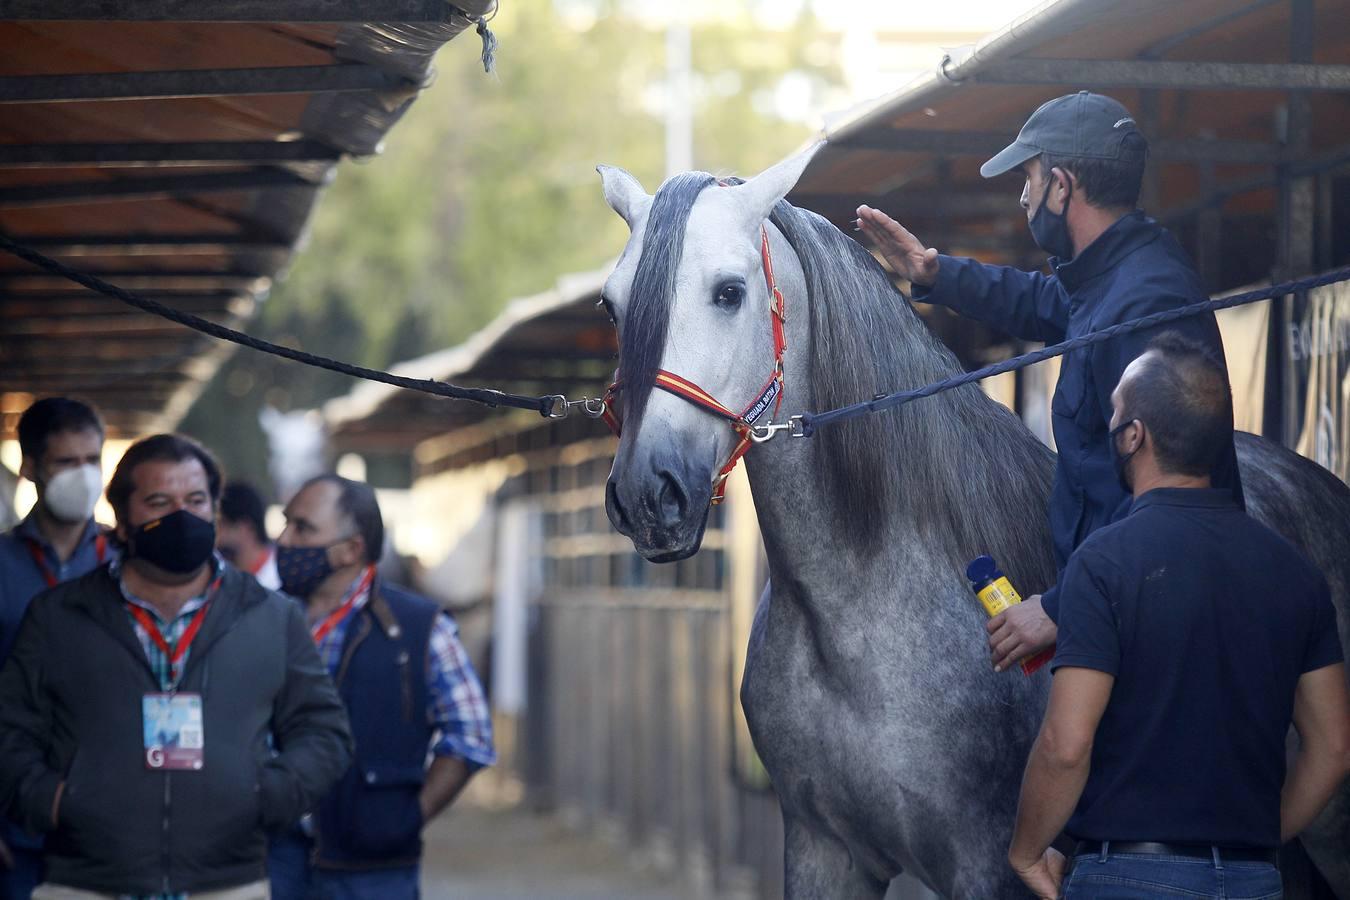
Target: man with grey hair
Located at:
point(1190, 637)
point(1083, 159)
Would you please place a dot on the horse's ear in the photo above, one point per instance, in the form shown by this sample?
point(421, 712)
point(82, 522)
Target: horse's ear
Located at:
point(624, 194)
point(761, 194)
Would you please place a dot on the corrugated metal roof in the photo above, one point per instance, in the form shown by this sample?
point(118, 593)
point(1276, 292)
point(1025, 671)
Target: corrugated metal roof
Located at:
point(1215, 143)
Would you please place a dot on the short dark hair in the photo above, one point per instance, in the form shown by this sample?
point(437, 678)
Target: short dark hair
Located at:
point(241, 502)
point(1183, 398)
point(53, 415)
point(165, 447)
point(1106, 183)
point(357, 499)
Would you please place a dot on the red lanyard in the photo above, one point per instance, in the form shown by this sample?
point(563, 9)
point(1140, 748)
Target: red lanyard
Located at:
point(176, 653)
point(320, 631)
point(39, 557)
point(258, 567)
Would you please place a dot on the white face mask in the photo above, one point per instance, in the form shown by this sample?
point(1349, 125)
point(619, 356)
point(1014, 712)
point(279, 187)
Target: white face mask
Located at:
point(70, 494)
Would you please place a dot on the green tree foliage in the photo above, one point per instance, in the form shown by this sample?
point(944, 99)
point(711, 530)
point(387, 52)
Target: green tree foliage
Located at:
point(487, 191)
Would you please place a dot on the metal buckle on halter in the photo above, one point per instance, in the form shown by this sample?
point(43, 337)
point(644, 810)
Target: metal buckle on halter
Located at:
point(761, 434)
point(593, 407)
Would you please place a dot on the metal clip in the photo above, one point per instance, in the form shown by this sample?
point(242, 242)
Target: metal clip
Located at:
point(593, 407)
point(762, 434)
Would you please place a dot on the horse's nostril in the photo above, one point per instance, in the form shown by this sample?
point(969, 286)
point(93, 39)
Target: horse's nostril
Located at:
point(617, 514)
point(673, 501)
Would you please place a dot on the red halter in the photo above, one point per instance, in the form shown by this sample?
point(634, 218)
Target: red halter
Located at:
point(743, 423)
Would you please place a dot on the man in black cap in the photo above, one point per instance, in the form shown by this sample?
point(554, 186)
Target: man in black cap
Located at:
point(1083, 158)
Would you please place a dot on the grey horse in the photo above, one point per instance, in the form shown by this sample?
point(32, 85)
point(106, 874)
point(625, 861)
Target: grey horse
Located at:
point(891, 743)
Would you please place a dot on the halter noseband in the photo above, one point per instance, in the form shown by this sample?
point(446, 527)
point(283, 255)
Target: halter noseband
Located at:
point(743, 423)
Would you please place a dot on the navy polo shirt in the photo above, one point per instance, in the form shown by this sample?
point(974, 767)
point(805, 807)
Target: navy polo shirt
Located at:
point(1207, 619)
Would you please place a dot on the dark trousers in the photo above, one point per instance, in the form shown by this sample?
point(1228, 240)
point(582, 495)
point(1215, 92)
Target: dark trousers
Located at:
point(1127, 876)
point(293, 878)
point(18, 883)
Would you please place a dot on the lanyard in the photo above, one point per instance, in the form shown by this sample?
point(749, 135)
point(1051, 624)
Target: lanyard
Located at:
point(176, 653)
point(262, 563)
point(39, 557)
point(331, 621)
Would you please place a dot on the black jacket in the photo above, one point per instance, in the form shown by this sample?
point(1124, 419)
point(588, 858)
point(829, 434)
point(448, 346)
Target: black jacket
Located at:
point(70, 719)
point(1133, 269)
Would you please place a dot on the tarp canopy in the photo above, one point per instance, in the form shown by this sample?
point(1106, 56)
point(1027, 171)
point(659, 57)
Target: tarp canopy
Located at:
point(177, 147)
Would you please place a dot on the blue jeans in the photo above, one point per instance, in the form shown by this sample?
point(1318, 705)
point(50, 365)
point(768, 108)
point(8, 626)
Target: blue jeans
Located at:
point(293, 878)
point(1130, 876)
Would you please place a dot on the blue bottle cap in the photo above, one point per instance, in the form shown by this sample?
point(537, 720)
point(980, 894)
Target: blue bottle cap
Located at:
point(982, 570)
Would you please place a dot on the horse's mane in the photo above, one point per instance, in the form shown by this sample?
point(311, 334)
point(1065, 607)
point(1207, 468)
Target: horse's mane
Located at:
point(973, 478)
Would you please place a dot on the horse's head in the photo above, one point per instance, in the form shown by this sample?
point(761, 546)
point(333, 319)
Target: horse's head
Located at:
point(690, 299)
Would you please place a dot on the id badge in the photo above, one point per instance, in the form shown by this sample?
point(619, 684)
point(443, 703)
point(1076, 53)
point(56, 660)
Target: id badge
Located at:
point(173, 731)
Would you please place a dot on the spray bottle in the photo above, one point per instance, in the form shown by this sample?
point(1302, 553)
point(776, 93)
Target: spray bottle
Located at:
point(997, 594)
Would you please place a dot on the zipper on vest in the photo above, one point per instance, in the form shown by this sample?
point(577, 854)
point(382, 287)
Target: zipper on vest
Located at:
point(165, 836)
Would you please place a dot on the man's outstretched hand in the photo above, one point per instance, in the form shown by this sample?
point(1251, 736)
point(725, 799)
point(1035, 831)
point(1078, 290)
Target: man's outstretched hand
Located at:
point(1018, 632)
point(903, 251)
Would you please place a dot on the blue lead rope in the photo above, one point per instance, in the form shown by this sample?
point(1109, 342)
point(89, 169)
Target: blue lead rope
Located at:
point(809, 422)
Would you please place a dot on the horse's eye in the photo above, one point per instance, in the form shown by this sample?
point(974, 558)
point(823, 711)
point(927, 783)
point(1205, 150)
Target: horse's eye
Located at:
point(609, 310)
point(731, 295)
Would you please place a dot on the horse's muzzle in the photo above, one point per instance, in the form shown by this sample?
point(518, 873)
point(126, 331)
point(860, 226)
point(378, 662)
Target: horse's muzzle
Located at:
point(662, 510)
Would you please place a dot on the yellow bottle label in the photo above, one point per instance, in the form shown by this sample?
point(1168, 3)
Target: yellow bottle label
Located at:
point(998, 595)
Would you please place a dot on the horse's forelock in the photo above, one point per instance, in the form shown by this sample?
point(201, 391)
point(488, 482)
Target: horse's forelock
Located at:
point(647, 319)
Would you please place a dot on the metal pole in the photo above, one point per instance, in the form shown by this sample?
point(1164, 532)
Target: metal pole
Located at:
point(679, 113)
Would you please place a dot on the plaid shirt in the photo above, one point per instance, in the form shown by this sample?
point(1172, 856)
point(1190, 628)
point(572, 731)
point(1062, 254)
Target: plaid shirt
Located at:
point(172, 631)
point(456, 707)
point(159, 663)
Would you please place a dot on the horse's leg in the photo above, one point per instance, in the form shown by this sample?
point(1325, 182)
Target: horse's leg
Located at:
point(818, 865)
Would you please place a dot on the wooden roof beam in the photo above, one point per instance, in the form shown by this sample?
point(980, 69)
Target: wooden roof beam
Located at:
point(1167, 74)
point(199, 83)
point(149, 244)
point(167, 153)
point(70, 193)
point(987, 143)
point(17, 284)
point(410, 11)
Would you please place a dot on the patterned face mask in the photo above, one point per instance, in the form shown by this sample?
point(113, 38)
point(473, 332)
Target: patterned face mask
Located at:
point(302, 569)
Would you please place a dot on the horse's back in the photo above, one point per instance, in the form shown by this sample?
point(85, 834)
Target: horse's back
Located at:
point(1309, 507)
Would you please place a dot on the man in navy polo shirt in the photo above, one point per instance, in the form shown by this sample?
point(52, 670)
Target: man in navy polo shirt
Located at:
point(62, 445)
point(1190, 636)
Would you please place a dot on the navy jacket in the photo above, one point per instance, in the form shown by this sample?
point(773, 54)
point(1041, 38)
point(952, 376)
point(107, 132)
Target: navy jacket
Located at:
point(1135, 268)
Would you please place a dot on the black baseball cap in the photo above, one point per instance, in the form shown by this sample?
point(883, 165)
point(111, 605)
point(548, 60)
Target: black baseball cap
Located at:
point(1079, 126)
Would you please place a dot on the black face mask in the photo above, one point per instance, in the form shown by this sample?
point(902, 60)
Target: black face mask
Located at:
point(179, 542)
point(1118, 461)
point(1050, 230)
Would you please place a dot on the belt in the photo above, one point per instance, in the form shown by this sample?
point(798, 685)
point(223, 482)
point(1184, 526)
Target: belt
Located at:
point(1192, 851)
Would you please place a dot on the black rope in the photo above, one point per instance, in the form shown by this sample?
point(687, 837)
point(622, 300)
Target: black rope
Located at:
point(811, 421)
point(542, 405)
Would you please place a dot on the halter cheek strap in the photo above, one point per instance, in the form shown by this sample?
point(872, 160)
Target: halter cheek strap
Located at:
point(743, 423)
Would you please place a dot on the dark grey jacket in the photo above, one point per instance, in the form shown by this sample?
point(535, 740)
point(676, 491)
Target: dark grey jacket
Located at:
point(70, 718)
